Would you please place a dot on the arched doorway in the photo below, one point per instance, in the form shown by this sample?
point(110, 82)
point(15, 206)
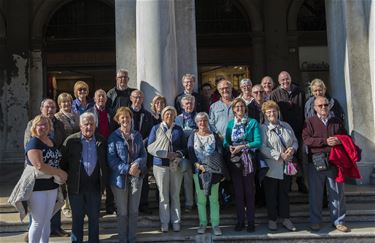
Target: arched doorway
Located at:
point(224, 45)
point(79, 44)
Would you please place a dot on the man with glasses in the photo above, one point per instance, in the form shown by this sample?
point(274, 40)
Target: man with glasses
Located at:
point(255, 106)
point(319, 136)
point(188, 81)
point(291, 100)
point(142, 122)
point(120, 94)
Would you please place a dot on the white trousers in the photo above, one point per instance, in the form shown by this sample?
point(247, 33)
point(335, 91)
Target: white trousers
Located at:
point(41, 207)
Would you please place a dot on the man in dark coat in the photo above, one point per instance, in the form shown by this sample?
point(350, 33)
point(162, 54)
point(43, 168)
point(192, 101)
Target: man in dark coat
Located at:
point(84, 159)
point(291, 100)
point(188, 81)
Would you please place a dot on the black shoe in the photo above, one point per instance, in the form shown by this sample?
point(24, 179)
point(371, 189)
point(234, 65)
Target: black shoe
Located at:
point(110, 211)
point(59, 233)
point(250, 228)
point(239, 227)
point(301, 185)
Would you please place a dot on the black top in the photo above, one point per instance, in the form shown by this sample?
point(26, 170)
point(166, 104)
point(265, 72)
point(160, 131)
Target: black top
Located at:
point(51, 156)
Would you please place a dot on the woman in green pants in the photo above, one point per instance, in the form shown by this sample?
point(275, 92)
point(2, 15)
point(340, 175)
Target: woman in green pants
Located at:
point(205, 152)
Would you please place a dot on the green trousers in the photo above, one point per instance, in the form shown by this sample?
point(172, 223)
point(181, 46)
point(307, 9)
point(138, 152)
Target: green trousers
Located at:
point(202, 201)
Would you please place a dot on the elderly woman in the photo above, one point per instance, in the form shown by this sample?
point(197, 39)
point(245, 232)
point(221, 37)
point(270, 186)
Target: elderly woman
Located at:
point(71, 125)
point(65, 114)
point(203, 147)
point(157, 105)
point(186, 121)
point(242, 138)
point(40, 180)
point(127, 162)
point(318, 88)
point(268, 85)
point(246, 86)
point(279, 145)
point(166, 143)
point(82, 102)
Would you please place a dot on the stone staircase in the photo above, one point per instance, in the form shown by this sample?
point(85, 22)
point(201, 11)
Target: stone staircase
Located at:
point(360, 217)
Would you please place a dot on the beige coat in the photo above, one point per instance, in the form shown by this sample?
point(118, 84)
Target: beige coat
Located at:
point(272, 147)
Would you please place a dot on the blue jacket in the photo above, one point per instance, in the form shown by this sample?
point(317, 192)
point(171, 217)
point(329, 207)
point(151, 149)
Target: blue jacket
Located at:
point(118, 161)
point(178, 143)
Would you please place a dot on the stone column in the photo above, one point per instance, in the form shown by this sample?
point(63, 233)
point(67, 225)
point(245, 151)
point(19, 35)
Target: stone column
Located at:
point(257, 70)
point(165, 46)
point(126, 45)
point(348, 44)
point(276, 39)
point(36, 84)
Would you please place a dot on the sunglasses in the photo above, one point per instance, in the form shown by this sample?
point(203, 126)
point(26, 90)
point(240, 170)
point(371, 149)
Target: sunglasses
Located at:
point(82, 89)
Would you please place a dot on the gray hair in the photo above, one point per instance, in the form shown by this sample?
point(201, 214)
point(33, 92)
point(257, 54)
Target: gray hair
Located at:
point(188, 76)
point(188, 98)
point(122, 70)
point(201, 115)
point(88, 115)
point(45, 101)
point(245, 81)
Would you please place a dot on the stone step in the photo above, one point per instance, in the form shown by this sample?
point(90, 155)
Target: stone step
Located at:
point(294, 198)
point(363, 232)
point(299, 214)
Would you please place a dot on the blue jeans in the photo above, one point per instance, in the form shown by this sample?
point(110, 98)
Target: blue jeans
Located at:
point(81, 204)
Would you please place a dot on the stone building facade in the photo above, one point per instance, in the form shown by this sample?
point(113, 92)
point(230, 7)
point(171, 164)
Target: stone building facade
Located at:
point(158, 41)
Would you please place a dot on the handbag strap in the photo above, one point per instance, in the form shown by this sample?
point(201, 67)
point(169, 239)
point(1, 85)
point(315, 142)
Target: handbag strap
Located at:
point(280, 137)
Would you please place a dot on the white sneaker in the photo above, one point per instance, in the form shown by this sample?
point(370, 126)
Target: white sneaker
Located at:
point(217, 231)
point(201, 229)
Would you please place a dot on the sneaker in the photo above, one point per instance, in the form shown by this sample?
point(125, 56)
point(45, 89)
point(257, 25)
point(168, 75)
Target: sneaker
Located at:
point(176, 227)
point(67, 213)
point(201, 229)
point(315, 227)
point(272, 225)
point(342, 228)
point(289, 225)
point(216, 230)
point(164, 228)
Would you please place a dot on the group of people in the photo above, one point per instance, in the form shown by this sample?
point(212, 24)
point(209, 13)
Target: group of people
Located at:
point(249, 141)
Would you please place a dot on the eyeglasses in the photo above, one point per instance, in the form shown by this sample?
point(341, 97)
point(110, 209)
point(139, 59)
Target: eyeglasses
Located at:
point(122, 77)
point(322, 105)
point(258, 92)
point(137, 97)
point(82, 89)
point(239, 106)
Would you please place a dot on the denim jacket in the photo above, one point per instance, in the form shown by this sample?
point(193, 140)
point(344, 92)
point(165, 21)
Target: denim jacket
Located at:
point(118, 157)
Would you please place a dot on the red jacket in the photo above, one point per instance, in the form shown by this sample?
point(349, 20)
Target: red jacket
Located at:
point(345, 157)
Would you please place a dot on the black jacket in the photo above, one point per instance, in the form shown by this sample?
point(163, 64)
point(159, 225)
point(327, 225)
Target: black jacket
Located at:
point(71, 160)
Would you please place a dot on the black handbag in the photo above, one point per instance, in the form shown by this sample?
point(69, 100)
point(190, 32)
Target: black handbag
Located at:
point(235, 159)
point(320, 161)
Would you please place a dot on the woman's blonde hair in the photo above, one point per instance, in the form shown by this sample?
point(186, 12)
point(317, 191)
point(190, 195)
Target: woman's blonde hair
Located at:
point(80, 84)
point(64, 96)
point(270, 105)
point(36, 121)
point(156, 98)
point(317, 82)
point(122, 111)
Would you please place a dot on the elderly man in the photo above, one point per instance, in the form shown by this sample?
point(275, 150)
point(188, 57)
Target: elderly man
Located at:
point(186, 121)
point(142, 122)
point(267, 84)
point(221, 111)
point(188, 81)
point(103, 125)
point(120, 94)
point(48, 109)
point(319, 135)
point(84, 159)
point(291, 100)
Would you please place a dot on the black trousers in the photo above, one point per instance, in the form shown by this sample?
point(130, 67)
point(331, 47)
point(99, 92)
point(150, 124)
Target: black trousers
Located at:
point(277, 199)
